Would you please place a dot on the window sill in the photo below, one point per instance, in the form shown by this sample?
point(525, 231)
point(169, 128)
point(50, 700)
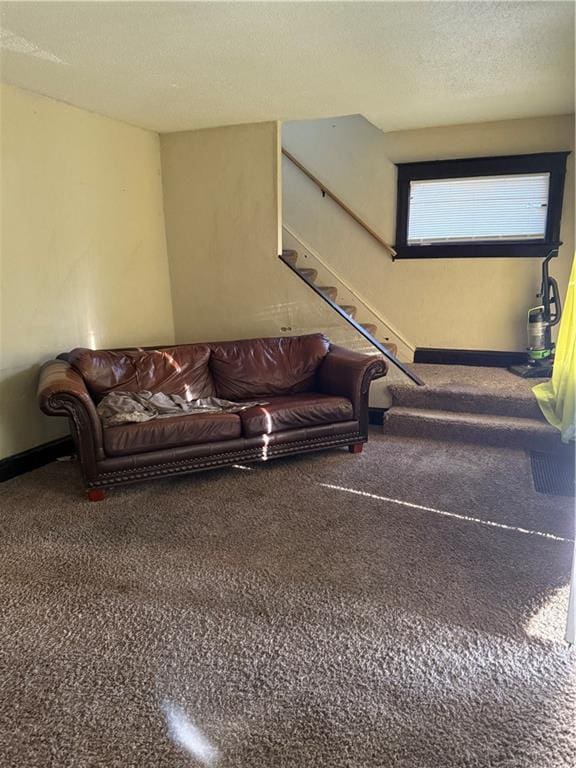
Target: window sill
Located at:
point(502, 250)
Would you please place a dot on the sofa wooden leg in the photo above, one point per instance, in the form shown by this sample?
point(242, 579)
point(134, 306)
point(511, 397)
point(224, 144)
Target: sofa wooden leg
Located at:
point(96, 494)
point(356, 447)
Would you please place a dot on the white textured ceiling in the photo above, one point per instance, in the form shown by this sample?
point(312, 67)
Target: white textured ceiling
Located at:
point(173, 66)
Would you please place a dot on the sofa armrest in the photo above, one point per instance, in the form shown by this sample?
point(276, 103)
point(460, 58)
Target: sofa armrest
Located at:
point(347, 373)
point(62, 392)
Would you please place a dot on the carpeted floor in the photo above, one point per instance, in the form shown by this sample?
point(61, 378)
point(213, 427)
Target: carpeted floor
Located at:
point(293, 614)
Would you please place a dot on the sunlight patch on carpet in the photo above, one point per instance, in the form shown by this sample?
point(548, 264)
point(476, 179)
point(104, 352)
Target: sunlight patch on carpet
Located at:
point(549, 622)
point(444, 513)
point(188, 736)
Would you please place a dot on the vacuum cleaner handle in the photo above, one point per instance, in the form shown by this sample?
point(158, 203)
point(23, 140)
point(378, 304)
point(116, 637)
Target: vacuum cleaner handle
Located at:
point(549, 292)
point(554, 299)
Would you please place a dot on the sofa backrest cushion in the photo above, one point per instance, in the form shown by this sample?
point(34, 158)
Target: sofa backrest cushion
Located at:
point(181, 370)
point(280, 366)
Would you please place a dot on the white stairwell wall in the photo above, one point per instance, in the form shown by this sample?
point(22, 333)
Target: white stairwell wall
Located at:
point(313, 315)
point(339, 330)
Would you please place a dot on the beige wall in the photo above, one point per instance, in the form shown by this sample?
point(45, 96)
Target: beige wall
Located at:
point(221, 202)
point(467, 303)
point(83, 254)
point(84, 258)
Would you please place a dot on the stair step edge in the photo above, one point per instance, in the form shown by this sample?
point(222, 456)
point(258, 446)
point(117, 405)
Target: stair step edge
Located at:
point(477, 419)
point(290, 256)
point(455, 390)
point(465, 402)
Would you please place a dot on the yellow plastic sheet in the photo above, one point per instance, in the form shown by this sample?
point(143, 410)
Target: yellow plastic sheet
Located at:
point(557, 397)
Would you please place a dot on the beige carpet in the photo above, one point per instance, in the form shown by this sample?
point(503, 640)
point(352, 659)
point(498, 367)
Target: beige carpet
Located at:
point(289, 621)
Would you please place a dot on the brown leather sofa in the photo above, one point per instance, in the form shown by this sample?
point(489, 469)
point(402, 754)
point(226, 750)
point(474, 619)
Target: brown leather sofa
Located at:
point(316, 397)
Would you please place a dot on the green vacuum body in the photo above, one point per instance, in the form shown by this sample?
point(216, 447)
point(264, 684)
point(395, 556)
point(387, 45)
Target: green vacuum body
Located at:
point(541, 319)
point(540, 345)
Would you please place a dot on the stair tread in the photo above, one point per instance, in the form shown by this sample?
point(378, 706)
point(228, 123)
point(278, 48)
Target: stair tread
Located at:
point(329, 290)
point(408, 395)
point(289, 255)
point(465, 378)
point(460, 389)
point(484, 419)
point(308, 272)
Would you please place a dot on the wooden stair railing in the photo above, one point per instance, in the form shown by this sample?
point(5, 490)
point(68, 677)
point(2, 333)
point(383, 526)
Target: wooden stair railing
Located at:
point(325, 191)
point(308, 276)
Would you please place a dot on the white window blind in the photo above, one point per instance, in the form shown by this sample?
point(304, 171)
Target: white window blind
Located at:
point(478, 208)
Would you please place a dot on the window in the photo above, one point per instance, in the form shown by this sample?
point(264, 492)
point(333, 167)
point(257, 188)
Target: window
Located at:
point(488, 206)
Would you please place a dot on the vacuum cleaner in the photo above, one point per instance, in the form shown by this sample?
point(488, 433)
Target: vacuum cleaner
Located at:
point(541, 320)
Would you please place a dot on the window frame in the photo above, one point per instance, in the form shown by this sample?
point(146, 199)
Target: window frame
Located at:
point(553, 163)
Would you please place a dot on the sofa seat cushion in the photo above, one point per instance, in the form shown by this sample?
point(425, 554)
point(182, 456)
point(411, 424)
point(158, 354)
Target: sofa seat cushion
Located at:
point(171, 432)
point(293, 412)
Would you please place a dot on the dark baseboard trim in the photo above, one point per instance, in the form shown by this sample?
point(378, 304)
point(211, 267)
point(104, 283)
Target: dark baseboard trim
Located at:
point(376, 416)
point(35, 457)
point(483, 357)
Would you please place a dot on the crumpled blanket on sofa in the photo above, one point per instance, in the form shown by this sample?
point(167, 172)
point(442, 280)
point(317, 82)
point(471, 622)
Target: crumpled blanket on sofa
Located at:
point(129, 407)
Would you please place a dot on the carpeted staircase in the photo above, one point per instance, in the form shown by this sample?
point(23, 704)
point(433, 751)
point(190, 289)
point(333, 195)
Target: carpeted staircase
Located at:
point(489, 406)
point(470, 404)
